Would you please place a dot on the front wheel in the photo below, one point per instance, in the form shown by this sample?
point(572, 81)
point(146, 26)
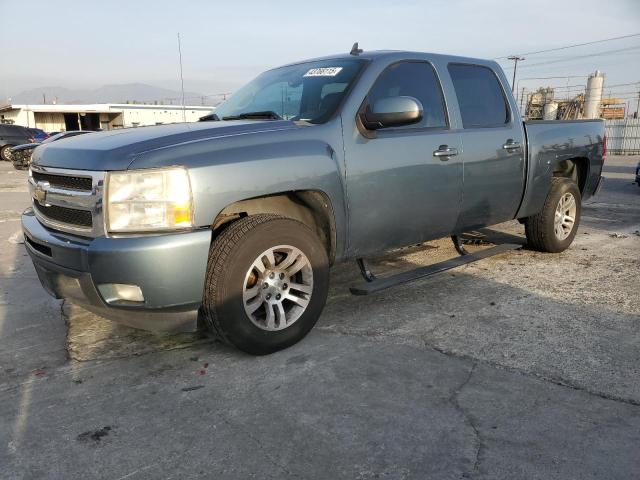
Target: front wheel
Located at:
point(5, 153)
point(267, 283)
point(555, 227)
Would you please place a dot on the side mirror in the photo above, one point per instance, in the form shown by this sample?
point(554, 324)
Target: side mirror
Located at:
point(392, 112)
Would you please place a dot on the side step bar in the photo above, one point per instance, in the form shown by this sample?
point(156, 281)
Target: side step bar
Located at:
point(375, 284)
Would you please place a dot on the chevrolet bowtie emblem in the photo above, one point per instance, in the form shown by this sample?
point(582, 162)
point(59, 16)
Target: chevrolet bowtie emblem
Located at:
point(40, 192)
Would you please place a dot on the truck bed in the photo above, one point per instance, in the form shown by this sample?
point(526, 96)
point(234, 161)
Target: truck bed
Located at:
point(549, 142)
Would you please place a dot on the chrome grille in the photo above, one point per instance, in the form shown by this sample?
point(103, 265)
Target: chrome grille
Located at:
point(62, 181)
point(68, 200)
point(72, 216)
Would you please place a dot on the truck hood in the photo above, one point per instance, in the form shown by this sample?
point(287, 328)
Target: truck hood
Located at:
point(117, 149)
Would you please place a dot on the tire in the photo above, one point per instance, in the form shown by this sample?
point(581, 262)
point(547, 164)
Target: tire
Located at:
point(231, 271)
point(543, 232)
point(5, 153)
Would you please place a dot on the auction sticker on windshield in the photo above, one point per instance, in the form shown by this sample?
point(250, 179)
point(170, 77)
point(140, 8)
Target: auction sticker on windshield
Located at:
point(323, 72)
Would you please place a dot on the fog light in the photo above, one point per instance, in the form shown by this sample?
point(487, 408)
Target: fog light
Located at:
point(120, 292)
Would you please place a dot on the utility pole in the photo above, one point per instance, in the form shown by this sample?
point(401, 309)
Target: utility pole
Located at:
point(522, 102)
point(184, 112)
point(638, 106)
point(515, 59)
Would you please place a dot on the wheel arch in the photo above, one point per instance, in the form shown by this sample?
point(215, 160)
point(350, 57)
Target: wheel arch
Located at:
point(576, 168)
point(311, 207)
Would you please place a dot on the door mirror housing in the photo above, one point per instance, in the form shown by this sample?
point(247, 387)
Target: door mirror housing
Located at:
point(392, 112)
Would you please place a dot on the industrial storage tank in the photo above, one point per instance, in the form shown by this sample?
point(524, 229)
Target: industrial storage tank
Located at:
point(593, 95)
point(550, 111)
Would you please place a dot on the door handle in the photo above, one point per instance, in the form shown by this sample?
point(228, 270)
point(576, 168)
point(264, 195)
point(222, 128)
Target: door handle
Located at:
point(511, 145)
point(444, 152)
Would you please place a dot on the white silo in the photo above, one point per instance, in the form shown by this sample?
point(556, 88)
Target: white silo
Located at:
point(593, 95)
point(550, 111)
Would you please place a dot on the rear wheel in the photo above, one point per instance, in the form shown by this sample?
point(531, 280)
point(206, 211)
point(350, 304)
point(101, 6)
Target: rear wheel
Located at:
point(554, 228)
point(267, 283)
point(5, 153)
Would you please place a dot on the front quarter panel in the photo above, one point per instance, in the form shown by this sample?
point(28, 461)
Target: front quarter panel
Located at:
point(225, 171)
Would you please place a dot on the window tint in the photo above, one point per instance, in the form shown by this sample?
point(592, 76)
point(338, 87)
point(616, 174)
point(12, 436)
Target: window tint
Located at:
point(480, 96)
point(417, 80)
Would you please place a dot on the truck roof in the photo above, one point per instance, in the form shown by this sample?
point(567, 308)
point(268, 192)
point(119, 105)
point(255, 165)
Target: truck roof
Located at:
point(399, 54)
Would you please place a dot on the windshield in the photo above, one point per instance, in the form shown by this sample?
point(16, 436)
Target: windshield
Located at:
point(309, 92)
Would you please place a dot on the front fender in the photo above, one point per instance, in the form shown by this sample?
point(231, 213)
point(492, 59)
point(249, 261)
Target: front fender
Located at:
point(225, 171)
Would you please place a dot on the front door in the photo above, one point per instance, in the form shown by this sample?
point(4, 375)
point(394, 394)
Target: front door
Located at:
point(400, 189)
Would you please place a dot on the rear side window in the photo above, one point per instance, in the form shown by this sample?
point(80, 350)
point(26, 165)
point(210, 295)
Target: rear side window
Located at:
point(480, 96)
point(417, 80)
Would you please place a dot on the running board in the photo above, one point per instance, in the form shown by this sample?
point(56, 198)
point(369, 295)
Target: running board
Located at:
point(376, 283)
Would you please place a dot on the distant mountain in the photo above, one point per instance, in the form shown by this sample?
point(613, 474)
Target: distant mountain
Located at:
point(130, 92)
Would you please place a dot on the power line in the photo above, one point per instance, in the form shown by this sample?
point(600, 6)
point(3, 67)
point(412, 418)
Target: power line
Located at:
point(578, 57)
point(574, 45)
point(546, 78)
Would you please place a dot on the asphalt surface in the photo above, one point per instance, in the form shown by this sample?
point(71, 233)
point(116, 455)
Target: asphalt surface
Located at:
point(523, 365)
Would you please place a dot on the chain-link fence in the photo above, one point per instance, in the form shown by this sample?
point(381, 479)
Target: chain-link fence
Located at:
point(623, 136)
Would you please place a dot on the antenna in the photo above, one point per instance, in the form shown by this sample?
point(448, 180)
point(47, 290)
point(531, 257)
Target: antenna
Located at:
point(355, 50)
point(184, 112)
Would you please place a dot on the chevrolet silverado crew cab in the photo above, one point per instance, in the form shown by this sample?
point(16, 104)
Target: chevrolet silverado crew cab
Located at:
point(236, 219)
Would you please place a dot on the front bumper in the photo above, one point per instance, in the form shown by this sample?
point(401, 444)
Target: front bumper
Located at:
point(169, 269)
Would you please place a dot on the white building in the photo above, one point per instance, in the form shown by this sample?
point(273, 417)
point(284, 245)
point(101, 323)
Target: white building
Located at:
point(107, 116)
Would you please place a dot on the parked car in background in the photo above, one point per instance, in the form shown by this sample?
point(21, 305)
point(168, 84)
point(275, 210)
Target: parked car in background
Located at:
point(21, 155)
point(638, 174)
point(12, 135)
point(38, 135)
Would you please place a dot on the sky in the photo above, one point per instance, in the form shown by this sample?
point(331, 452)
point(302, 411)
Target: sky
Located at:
point(86, 44)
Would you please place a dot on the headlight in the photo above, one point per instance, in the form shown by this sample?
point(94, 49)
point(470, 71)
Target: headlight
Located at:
point(148, 200)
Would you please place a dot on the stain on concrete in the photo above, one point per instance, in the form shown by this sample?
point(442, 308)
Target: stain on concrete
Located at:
point(94, 436)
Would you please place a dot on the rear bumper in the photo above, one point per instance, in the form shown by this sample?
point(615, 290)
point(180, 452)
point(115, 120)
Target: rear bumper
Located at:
point(169, 269)
point(599, 185)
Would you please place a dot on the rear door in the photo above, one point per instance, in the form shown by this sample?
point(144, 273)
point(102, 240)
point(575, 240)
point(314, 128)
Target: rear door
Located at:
point(399, 192)
point(493, 142)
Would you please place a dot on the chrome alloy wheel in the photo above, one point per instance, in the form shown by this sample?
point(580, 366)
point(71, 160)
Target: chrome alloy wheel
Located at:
point(565, 216)
point(277, 287)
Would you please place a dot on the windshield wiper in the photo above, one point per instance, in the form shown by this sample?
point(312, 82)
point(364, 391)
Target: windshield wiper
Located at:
point(265, 115)
point(211, 117)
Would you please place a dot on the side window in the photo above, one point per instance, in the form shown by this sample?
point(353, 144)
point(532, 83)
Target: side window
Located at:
point(417, 80)
point(480, 96)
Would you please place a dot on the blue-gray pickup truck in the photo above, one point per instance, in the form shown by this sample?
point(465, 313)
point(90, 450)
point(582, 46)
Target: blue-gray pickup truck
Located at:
point(235, 220)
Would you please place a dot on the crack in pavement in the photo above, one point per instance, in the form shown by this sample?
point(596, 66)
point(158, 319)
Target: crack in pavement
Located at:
point(453, 399)
point(553, 380)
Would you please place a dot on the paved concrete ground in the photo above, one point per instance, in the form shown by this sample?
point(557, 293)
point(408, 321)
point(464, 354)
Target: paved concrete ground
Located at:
point(520, 366)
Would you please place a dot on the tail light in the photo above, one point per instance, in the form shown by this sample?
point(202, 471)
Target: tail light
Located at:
point(604, 149)
point(32, 140)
